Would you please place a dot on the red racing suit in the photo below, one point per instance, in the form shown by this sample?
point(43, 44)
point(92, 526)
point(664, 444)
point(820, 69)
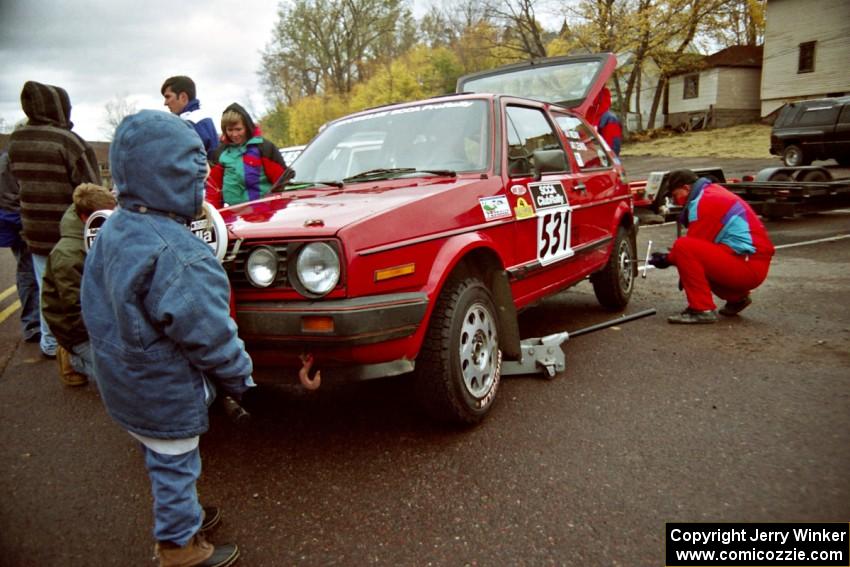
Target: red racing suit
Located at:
point(726, 250)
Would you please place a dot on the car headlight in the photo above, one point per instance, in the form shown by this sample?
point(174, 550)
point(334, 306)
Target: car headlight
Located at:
point(261, 266)
point(317, 267)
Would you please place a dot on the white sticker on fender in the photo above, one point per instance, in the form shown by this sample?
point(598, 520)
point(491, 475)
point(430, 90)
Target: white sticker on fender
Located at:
point(553, 234)
point(495, 207)
point(653, 184)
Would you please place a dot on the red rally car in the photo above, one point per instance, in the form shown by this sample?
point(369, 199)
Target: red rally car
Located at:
point(407, 237)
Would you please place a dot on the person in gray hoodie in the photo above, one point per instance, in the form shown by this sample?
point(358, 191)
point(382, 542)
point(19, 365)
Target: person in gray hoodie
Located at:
point(49, 161)
point(156, 305)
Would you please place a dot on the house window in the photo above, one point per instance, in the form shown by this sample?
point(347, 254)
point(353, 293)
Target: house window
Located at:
point(691, 86)
point(806, 63)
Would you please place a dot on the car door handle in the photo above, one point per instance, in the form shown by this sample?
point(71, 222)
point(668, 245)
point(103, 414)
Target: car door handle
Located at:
point(580, 187)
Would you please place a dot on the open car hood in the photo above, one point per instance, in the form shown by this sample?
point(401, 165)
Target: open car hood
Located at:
point(573, 82)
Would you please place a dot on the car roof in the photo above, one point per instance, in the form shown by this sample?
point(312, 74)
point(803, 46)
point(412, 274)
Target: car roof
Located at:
point(572, 82)
point(830, 101)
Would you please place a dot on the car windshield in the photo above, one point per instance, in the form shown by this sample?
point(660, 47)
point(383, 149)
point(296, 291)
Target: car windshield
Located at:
point(442, 137)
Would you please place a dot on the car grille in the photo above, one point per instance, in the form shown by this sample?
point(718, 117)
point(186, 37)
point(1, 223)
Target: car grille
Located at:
point(236, 266)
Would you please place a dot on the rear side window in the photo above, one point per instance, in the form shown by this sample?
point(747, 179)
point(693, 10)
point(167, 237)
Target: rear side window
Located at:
point(819, 115)
point(787, 115)
point(586, 147)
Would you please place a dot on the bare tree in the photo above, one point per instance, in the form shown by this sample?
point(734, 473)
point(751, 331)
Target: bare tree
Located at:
point(116, 110)
point(521, 28)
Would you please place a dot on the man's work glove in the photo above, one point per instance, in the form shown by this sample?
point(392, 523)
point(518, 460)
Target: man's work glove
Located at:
point(659, 260)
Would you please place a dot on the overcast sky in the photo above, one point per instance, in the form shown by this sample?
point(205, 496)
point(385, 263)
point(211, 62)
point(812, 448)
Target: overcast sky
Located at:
point(100, 49)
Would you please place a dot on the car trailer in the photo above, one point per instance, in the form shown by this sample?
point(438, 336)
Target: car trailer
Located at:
point(778, 192)
point(774, 192)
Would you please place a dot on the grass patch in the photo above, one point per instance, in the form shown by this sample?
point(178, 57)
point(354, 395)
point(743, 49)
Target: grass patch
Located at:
point(742, 141)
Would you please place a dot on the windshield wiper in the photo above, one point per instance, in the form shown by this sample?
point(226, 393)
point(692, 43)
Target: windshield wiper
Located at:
point(306, 184)
point(378, 173)
point(441, 172)
point(297, 185)
point(387, 173)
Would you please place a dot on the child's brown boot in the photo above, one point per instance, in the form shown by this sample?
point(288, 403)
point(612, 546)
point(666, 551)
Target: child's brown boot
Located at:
point(198, 552)
point(67, 374)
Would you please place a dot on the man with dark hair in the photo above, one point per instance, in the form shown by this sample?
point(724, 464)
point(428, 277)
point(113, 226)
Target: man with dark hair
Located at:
point(726, 251)
point(179, 95)
point(49, 161)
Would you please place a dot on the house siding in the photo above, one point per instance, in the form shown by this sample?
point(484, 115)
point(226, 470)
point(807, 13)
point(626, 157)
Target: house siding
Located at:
point(706, 96)
point(738, 88)
point(727, 96)
point(790, 23)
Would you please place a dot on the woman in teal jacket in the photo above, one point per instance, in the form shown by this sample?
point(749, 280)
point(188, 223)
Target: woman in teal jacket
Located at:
point(245, 165)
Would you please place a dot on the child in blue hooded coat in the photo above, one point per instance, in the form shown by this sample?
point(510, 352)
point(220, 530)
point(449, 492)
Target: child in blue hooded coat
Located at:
point(156, 305)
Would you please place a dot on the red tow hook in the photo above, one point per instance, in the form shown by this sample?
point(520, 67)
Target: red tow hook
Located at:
point(303, 374)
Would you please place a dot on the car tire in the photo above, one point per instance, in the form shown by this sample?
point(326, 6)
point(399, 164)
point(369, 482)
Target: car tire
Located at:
point(459, 366)
point(815, 176)
point(793, 156)
point(613, 284)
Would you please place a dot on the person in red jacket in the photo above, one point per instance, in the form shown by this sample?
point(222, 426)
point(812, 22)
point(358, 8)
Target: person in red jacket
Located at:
point(726, 251)
point(245, 166)
point(607, 123)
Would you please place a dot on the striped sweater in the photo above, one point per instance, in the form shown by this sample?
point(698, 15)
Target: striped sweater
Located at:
point(49, 161)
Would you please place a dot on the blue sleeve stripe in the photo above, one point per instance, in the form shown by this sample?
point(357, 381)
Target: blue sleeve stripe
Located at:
point(736, 231)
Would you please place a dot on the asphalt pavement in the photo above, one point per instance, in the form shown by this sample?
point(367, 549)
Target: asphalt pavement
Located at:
point(746, 420)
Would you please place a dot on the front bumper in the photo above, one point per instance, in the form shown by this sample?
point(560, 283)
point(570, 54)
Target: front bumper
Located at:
point(358, 321)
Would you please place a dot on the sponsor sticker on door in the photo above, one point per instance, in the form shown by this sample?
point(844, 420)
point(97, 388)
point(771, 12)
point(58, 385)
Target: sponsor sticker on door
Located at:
point(547, 195)
point(495, 207)
point(523, 209)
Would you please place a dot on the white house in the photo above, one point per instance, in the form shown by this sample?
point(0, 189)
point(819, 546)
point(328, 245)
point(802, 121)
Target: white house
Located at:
point(806, 51)
point(722, 91)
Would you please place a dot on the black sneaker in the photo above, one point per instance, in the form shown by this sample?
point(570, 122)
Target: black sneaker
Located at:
point(692, 317)
point(223, 556)
point(732, 308)
point(212, 516)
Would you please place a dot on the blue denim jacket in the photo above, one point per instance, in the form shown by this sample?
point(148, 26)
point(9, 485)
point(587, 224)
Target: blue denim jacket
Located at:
point(155, 299)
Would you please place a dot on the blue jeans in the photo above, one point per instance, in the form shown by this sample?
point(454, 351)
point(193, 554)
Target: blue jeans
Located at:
point(81, 359)
point(27, 291)
point(176, 510)
point(48, 341)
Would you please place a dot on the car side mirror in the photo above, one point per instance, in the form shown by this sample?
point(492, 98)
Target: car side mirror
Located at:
point(549, 160)
point(281, 182)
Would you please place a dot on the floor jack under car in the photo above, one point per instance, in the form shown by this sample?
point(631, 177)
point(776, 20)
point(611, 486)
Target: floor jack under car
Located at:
point(545, 355)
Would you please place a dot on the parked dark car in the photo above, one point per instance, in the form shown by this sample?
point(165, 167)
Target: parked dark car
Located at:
point(812, 129)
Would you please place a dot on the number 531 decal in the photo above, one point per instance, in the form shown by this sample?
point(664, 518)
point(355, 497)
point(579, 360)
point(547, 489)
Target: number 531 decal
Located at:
point(553, 234)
